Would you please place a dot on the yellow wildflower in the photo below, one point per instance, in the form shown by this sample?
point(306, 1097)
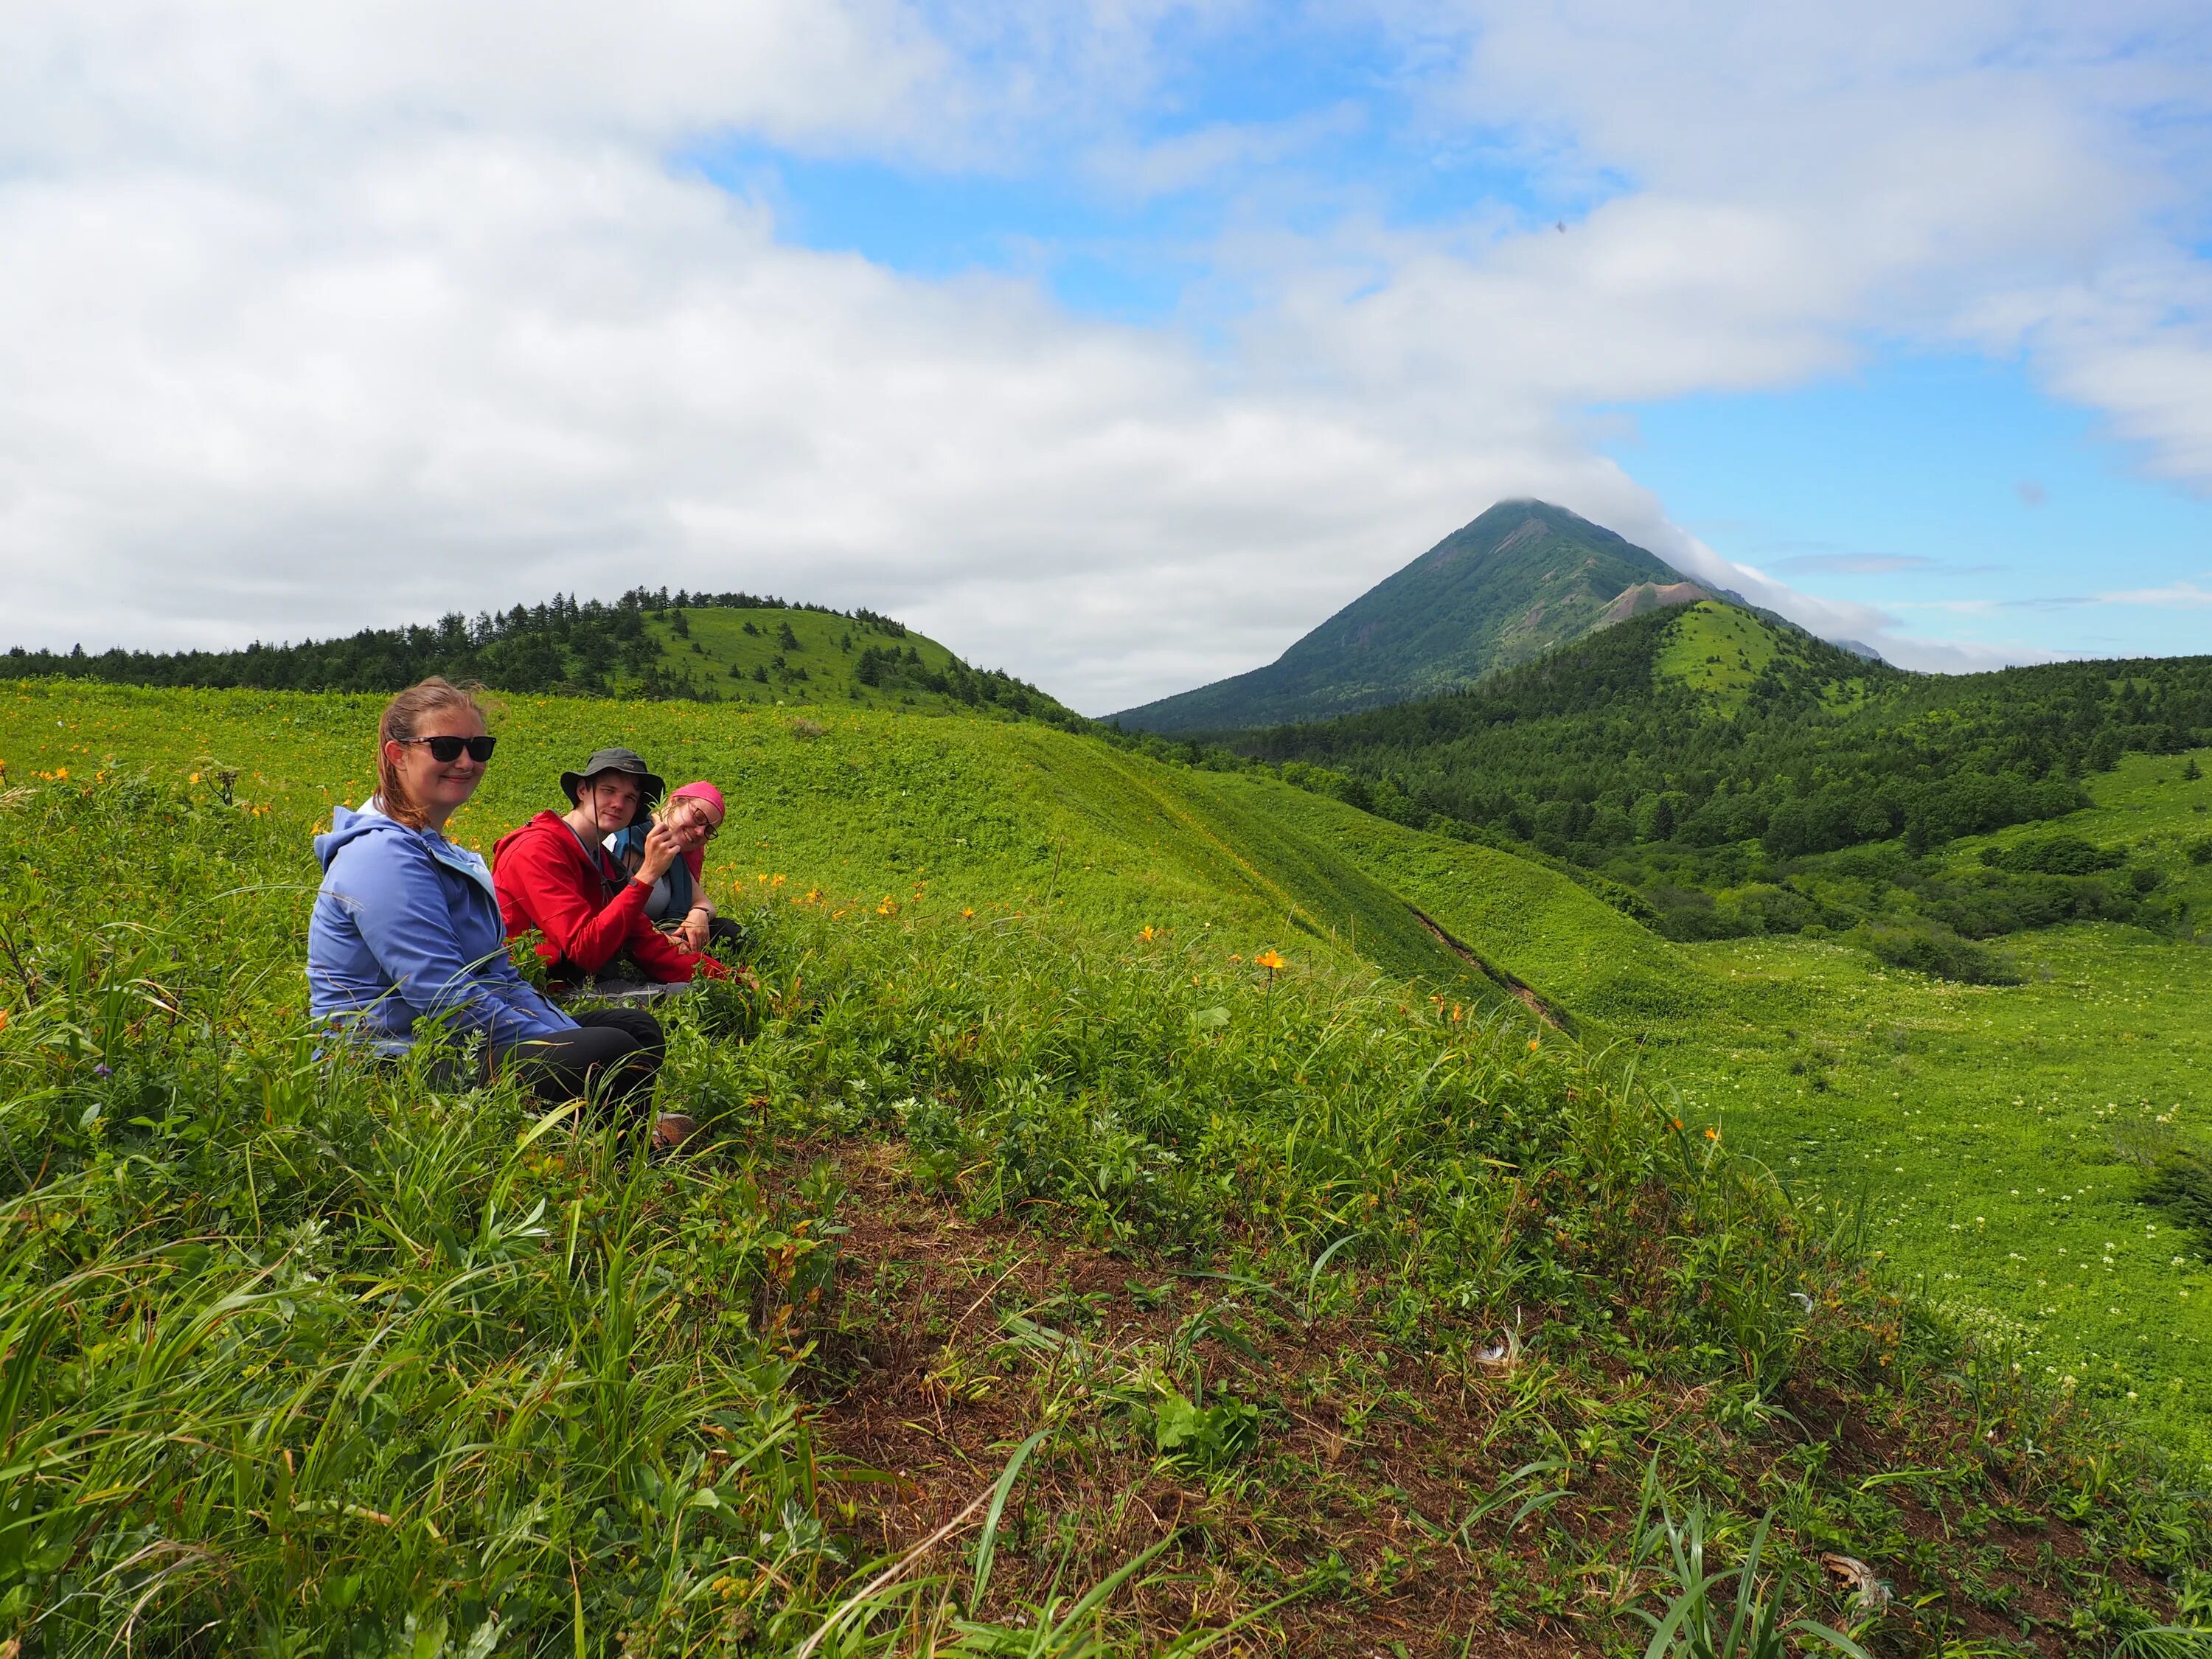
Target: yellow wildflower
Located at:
point(1271, 960)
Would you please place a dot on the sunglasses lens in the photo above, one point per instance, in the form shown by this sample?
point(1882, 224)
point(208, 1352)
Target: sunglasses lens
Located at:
point(447, 749)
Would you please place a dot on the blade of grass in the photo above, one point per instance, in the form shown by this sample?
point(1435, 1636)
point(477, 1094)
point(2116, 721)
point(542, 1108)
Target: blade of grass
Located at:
point(986, 1546)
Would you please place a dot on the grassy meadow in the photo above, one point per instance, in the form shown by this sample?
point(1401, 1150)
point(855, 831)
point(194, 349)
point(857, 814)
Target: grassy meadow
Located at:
point(1995, 1140)
point(788, 656)
point(1999, 1137)
point(1127, 1228)
point(1718, 650)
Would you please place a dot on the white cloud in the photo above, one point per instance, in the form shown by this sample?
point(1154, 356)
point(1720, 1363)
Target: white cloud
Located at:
point(477, 370)
point(262, 86)
point(320, 316)
point(2134, 342)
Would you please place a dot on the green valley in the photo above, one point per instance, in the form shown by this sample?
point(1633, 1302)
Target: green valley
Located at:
point(1995, 1142)
point(1744, 780)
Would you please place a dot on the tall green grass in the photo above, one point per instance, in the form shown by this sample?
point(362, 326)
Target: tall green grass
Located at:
point(304, 1355)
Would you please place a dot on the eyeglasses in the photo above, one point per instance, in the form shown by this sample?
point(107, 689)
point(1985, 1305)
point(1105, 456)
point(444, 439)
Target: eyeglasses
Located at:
point(447, 749)
point(698, 815)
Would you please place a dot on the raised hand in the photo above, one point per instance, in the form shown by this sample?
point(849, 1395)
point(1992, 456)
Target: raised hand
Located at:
point(661, 848)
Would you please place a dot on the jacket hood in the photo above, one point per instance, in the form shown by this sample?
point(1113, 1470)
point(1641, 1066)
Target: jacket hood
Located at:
point(348, 824)
point(537, 826)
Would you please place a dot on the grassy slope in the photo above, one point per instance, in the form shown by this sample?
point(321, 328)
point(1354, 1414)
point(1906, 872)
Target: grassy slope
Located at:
point(1851, 1078)
point(1720, 650)
point(1530, 920)
point(719, 644)
point(1998, 1133)
point(1029, 1067)
point(973, 812)
point(1716, 649)
point(860, 803)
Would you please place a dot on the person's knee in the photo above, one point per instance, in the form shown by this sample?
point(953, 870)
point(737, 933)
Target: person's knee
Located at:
point(637, 1026)
point(641, 1028)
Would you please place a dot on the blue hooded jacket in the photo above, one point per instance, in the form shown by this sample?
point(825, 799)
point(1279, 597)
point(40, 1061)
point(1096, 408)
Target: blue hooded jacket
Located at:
point(406, 928)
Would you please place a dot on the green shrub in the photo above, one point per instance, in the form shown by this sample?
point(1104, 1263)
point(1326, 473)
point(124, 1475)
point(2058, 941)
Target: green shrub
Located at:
point(2181, 1183)
point(1929, 947)
point(2053, 856)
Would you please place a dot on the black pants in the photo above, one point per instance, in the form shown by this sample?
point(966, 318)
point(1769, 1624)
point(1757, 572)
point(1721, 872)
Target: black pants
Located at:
point(614, 1053)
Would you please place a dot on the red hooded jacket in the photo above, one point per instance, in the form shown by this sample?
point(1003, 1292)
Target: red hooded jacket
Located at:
point(586, 906)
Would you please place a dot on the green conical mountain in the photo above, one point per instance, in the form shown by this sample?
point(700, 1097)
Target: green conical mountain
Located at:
point(1521, 579)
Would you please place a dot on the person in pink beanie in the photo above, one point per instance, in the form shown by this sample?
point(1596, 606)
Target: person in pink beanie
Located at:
point(679, 905)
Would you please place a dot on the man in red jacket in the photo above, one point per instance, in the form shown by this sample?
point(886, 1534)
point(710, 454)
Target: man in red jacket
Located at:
point(556, 875)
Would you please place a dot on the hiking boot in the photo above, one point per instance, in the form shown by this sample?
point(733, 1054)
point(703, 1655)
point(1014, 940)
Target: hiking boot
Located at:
point(670, 1130)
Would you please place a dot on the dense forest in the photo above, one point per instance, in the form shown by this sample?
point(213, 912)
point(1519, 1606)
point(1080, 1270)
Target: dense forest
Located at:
point(1834, 785)
point(560, 648)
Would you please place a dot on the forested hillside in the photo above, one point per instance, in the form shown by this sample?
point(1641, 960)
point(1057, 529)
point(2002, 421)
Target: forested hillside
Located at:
point(1697, 751)
point(702, 647)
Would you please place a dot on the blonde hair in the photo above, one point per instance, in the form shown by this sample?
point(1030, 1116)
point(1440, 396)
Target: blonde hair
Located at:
point(401, 718)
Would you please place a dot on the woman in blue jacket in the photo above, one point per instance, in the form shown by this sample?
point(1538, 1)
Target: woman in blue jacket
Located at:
point(407, 928)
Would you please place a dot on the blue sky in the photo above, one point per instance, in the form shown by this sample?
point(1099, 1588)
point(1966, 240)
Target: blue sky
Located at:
point(1313, 118)
point(1945, 488)
point(1948, 490)
point(1117, 342)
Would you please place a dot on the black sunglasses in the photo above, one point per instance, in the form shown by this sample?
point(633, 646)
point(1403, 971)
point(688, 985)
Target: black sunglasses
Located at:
point(447, 749)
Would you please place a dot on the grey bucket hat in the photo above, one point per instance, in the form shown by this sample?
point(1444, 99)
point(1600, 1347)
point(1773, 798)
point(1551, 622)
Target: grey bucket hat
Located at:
point(628, 762)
